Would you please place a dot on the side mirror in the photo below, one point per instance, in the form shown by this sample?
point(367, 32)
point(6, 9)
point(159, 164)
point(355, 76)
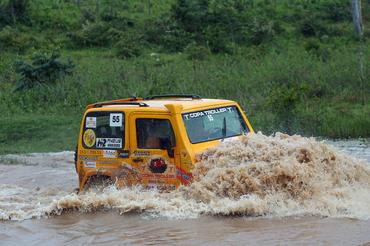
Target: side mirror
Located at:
point(167, 145)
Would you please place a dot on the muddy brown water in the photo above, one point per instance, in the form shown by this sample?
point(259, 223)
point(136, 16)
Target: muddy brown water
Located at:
point(38, 205)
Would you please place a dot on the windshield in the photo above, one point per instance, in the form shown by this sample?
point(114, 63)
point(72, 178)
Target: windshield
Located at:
point(212, 124)
point(104, 130)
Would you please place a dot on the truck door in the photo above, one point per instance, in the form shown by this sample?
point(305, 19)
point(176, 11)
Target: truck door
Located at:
point(152, 150)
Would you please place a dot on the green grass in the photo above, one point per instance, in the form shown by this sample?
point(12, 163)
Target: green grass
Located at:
point(38, 133)
point(47, 118)
point(99, 76)
point(310, 85)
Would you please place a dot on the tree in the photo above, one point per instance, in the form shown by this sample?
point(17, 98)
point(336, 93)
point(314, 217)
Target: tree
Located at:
point(359, 29)
point(357, 18)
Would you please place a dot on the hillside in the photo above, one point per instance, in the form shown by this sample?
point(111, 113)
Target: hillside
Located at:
point(293, 66)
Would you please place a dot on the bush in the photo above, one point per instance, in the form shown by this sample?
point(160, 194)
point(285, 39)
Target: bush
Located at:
point(336, 10)
point(261, 29)
point(13, 40)
point(311, 25)
point(218, 24)
point(282, 100)
point(209, 23)
point(316, 47)
point(87, 16)
point(127, 47)
point(167, 34)
point(192, 15)
point(197, 52)
point(285, 98)
point(217, 39)
point(312, 44)
point(12, 11)
point(117, 21)
point(94, 34)
point(44, 69)
point(55, 19)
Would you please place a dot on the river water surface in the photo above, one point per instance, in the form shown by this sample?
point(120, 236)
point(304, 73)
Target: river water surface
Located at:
point(261, 190)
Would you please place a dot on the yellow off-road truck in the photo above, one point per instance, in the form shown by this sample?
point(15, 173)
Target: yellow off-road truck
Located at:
point(153, 141)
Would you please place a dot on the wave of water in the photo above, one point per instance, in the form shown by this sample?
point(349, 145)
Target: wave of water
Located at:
point(258, 175)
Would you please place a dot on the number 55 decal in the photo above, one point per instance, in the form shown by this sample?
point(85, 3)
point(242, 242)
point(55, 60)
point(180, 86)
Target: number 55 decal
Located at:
point(115, 120)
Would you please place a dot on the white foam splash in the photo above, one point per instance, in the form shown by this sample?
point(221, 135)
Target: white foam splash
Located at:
point(274, 176)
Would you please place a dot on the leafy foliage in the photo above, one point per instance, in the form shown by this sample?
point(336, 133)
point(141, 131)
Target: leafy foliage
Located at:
point(92, 34)
point(219, 24)
point(128, 46)
point(197, 52)
point(44, 69)
point(281, 59)
point(285, 98)
point(12, 39)
point(336, 10)
point(311, 26)
point(13, 11)
point(167, 34)
point(106, 32)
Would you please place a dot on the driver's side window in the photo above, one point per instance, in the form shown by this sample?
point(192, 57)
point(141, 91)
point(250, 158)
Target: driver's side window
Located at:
point(154, 133)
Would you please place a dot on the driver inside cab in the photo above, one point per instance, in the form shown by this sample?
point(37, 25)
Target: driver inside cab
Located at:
point(153, 133)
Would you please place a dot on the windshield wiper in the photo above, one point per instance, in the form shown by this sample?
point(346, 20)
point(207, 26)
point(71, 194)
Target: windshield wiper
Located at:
point(224, 128)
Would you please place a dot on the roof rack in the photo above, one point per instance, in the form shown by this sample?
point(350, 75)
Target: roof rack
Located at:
point(173, 96)
point(140, 104)
point(115, 102)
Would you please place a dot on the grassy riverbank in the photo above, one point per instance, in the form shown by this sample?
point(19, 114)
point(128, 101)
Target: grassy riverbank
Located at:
point(288, 76)
point(325, 106)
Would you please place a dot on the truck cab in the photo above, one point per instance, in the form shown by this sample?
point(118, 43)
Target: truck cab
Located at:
point(152, 142)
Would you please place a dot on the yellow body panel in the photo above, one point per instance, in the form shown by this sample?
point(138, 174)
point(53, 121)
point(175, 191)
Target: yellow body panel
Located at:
point(129, 165)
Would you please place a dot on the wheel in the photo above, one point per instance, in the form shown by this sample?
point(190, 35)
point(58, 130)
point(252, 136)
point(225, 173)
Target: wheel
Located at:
point(98, 183)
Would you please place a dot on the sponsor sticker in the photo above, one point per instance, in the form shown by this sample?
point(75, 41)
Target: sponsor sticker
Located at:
point(124, 154)
point(207, 113)
point(88, 158)
point(115, 120)
point(109, 153)
point(158, 176)
point(90, 122)
point(109, 142)
point(184, 176)
point(89, 152)
point(89, 138)
point(141, 153)
point(157, 165)
point(108, 162)
point(90, 164)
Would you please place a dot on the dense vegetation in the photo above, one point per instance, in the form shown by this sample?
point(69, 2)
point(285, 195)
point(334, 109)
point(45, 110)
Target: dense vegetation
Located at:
point(295, 66)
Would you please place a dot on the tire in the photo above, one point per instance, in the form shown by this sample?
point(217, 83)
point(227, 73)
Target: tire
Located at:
point(98, 183)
